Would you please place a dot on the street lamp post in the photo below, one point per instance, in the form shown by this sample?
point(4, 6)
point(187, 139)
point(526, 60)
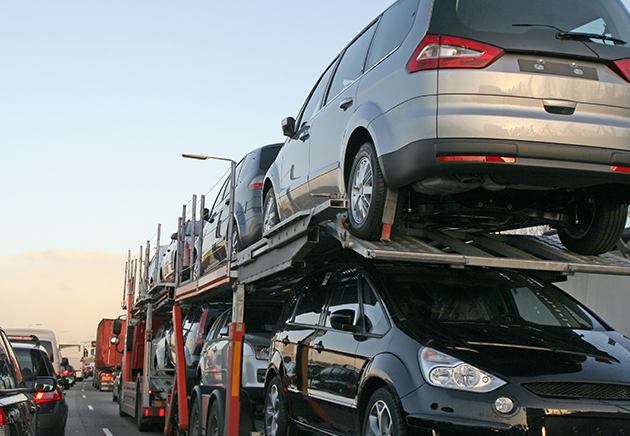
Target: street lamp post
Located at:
point(237, 328)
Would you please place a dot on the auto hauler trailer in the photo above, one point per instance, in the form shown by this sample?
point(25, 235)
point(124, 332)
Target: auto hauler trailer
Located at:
point(305, 241)
point(147, 301)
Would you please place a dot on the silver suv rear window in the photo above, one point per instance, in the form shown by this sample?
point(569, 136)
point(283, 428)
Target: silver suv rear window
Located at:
point(601, 17)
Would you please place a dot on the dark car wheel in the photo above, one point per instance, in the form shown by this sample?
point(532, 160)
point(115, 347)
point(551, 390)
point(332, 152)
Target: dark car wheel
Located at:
point(215, 418)
point(194, 428)
point(276, 423)
point(598, 226)
point(383, 416)
point(366, 189)
point(270, 211)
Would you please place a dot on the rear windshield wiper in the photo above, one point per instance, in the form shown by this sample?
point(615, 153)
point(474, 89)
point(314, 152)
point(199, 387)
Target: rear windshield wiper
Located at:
point(576, 36)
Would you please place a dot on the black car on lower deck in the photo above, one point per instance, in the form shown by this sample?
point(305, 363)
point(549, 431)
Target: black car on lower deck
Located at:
point(386, 348)
point(52, 408)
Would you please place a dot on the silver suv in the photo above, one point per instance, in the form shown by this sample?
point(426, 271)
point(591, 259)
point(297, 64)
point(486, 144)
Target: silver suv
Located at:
point(488, 115)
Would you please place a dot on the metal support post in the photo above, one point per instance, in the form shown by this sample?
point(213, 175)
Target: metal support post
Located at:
point(148, 338)
point(237, 332)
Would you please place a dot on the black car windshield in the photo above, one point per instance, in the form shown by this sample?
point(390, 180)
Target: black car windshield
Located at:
point(442, 295)
point(606, 18)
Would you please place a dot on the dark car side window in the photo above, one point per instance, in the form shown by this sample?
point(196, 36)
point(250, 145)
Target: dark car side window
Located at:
point(394, 25)
point(345, 296)
point(8, 376)
point(374, 316)
point(351, 64)
point(312, 299)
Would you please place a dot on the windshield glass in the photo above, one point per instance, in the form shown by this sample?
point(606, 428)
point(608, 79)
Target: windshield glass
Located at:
point(601, 17)
point(440, 295)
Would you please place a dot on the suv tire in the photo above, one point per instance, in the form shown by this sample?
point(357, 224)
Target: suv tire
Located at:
point(276, 423)
point(366, 189)
point(383, 416)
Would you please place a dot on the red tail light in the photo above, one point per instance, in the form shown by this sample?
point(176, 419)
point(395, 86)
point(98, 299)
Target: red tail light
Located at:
point(201, 330)
point(436, 51)
point(3, 418)
point(65, 372)
point(624, 67)
point(620, 169)
point(498, 159)
point(45, 397)
point(162, 412)
point(256, 182)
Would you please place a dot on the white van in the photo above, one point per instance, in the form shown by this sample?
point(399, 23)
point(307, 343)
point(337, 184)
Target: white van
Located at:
point(46, 337)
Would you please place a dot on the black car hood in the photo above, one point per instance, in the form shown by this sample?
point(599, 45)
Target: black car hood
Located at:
point(522, 351)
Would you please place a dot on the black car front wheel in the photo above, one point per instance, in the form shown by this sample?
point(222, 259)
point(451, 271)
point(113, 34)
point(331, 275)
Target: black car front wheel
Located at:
point(383, 416)
point(366, 189)
point(597, 225)
point(276, 423)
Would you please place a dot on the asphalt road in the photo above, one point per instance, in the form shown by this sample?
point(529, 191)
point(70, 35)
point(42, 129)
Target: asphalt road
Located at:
point(93, 413)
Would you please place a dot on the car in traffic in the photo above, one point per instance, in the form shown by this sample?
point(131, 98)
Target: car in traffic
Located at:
point(375, 347)
point(195, 324)
point(52, 407)
point(18, 407)
point(247, 208)
point(465, 114)
point(160, 346)
point(260, 320)
point(170, 256)
point(47, 339)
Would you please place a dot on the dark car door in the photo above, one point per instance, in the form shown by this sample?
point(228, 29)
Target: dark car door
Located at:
point(17, 409)
point(333, 371)
point(293, 342)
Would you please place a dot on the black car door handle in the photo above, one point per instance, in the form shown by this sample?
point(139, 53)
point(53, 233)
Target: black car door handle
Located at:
point(346, 103)
point(286, 340)
point(319, 347)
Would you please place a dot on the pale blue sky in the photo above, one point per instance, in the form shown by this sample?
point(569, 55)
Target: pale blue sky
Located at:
point(99, 99)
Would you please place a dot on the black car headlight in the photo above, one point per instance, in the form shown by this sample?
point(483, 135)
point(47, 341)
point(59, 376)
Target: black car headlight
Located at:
point(444, 371)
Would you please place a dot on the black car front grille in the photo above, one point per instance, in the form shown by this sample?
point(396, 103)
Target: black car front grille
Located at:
point(592, 391)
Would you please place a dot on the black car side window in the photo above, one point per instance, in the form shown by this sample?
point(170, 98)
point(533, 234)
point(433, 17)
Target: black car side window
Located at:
point(311, 301)
point(351, 64)
point(374, 317)
point(344, 300)
point(394, 25)
point(7, 368)
point(314, 103)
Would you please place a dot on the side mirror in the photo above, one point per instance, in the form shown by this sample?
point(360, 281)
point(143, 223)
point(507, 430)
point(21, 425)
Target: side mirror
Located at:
point(288, 127)
point(174, 236)
point(44, 384)
point(224, 332)
point(343, 320)
point(114, 340)
point(117, 327)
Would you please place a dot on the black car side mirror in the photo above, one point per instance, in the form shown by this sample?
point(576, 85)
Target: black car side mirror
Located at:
point(117, 327)
point(343, 320)
point(288, 127)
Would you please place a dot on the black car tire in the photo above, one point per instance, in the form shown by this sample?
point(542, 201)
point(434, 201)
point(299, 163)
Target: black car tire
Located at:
point(366, 192)
point(601, 224)
point(271, 217)
point(275, 420)
point(383, 415)
point(194, 428)
point(215, 420)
